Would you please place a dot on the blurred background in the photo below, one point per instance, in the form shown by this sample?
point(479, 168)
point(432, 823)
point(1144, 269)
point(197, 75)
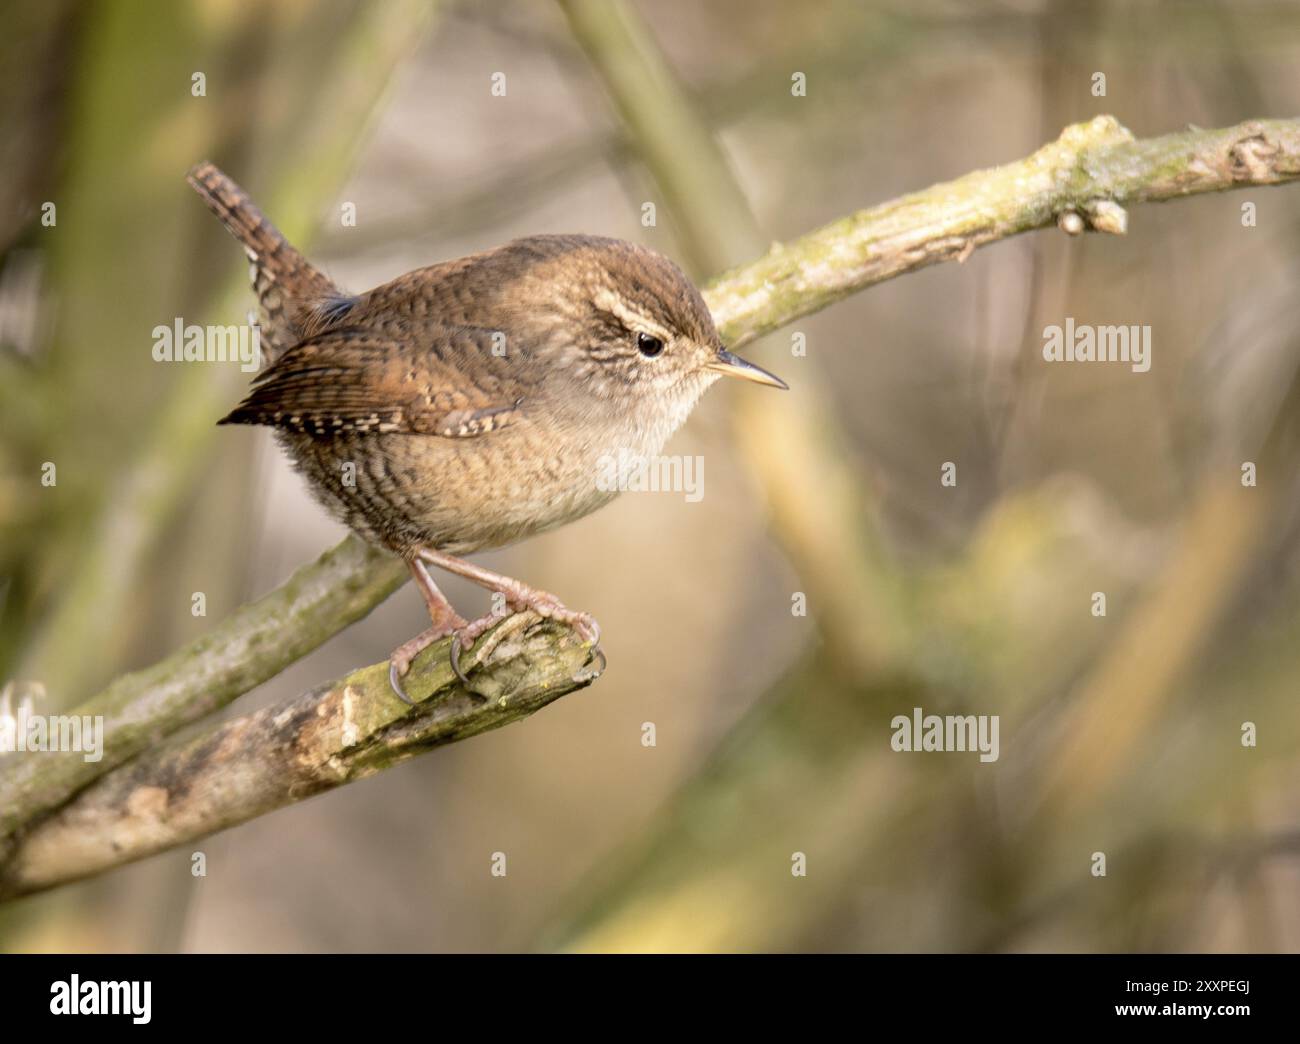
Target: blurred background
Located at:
point(1120, 734)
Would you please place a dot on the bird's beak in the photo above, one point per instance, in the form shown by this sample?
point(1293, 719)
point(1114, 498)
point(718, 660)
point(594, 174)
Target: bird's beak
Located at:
point(734, 366)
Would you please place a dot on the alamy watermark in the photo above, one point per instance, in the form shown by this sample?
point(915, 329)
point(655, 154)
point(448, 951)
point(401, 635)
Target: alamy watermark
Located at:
point(72, 996)
point(22, 730)
point(1079, 342)
point(950, 732)
point(627, 472)
point(188, 342)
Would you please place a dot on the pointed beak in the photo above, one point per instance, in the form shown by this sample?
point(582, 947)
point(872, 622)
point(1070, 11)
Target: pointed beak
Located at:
point(734, 366)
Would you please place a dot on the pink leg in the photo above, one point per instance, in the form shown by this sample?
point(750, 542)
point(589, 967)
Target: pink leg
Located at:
point(445, 621)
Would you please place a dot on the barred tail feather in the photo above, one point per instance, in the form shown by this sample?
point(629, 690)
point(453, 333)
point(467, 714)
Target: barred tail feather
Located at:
point(287, 285)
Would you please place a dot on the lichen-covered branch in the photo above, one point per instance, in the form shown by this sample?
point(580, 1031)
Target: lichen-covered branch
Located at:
point(256, 643)
point(1089, 173)
point(199, 782)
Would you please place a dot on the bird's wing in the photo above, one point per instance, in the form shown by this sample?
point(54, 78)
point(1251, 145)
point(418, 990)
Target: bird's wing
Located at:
point(345, 381)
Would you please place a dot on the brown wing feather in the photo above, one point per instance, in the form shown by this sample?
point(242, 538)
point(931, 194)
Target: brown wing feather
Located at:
point(358, 381)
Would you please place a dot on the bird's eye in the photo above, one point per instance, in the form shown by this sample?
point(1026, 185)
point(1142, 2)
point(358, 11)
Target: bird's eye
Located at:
point(648, 345)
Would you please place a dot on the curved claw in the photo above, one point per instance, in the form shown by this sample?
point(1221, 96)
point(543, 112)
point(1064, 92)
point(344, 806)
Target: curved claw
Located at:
point(395, 682)
point(454, 659)
point(594, 667)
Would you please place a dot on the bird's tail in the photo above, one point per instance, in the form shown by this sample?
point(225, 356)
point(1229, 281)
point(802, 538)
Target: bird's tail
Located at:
point(287, 285)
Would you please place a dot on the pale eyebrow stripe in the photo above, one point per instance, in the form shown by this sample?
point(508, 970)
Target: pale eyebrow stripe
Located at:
point(639, 321)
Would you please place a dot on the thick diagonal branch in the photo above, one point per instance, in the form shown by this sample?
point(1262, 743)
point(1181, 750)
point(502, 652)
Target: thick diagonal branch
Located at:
point(199, 782)
point(256, 643)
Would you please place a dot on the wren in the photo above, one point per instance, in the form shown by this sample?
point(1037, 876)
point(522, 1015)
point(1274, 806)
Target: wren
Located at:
point(469, 404)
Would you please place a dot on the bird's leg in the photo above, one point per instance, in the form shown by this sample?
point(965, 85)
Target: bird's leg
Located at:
point(518, 595)
point(445, 621)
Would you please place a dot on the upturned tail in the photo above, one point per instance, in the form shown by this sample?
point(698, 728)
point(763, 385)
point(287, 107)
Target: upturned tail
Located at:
point(288, 287)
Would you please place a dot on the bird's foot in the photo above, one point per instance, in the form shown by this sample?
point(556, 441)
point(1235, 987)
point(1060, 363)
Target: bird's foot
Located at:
point(519, 598)
point(517, 595)
point(400, 662)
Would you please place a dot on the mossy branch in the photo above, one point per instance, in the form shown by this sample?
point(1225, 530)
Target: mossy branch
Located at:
point(227, 772)
point(259, 641)
point(1083, 180)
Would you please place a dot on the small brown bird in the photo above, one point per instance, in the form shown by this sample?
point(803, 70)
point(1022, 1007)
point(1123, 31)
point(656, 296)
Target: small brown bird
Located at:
point(475, 402)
